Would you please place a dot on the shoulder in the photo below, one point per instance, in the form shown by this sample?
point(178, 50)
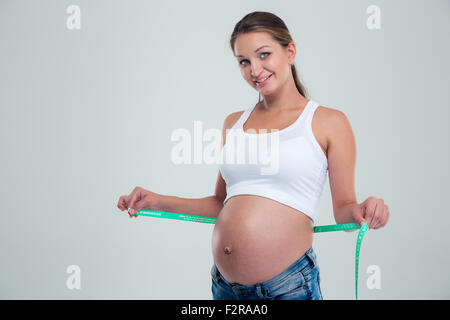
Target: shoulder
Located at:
point(335, 124)
point(229, 122)
point(332, 122)
point(231, 119)
point(330, 115)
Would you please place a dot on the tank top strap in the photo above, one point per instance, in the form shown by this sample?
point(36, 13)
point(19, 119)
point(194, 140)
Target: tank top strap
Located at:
point(305, 119)
point(244, 116)
point(310, 112)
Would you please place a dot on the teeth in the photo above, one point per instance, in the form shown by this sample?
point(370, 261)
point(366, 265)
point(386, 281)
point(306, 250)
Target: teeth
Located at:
point(263, 79)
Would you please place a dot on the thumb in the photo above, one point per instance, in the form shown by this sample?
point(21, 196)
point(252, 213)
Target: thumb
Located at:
point(138, 205)
point(135, 198)
point(358, 215)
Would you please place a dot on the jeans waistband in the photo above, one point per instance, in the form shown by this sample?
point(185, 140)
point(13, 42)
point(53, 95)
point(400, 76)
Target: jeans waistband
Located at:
point(309, 258)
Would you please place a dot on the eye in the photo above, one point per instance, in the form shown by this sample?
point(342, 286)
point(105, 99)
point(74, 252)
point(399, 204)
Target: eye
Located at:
point(240, 62)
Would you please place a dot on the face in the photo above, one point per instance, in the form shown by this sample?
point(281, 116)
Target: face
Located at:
point(259, 56)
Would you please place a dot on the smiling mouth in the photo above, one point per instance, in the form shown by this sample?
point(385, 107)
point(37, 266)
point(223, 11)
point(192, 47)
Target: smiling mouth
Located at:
point(263, 81)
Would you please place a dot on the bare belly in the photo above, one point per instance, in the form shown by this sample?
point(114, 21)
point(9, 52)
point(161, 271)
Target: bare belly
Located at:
point(256, 238)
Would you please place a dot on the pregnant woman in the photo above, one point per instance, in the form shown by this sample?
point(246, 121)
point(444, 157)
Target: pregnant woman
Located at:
point(262, 238)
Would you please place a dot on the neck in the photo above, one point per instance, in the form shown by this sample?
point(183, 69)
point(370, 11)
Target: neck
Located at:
point(287, 97)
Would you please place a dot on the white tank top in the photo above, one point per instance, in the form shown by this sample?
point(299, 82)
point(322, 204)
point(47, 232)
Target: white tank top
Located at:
point(286, 165)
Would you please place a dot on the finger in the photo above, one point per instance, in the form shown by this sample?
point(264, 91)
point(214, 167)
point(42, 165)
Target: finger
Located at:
point(134, 197)
point(388, 215)
point(378, 215)
point(120, 203)
point(375, 219)
point(384, 218)
point(132, 212)
point(378, 218)
point(370, 212)
point(379, 223)
point(123, 204)
point(358, 215)
point(139, 205)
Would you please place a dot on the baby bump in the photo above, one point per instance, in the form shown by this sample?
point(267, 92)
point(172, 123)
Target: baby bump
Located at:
point(256, 238)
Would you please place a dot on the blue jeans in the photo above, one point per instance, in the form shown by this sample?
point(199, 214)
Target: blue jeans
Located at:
point(300, 281)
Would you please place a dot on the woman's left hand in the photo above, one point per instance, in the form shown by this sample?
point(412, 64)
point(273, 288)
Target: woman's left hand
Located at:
point(373, 211)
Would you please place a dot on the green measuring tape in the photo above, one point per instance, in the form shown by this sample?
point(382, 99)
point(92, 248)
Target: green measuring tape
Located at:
point(348, 226)
point(334, 227)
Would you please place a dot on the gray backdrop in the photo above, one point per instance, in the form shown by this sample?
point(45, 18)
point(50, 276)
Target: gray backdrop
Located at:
point(87, 115)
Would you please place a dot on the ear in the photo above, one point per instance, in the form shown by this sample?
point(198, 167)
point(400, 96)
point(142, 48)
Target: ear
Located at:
point(291, 51)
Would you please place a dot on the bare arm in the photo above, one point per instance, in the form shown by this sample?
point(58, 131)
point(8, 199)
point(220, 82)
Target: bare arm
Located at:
point(208, 206)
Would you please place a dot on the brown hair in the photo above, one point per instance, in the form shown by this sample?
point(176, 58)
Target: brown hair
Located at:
point(268, 22)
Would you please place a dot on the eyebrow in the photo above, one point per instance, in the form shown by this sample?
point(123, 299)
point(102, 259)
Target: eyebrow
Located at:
point(255, 50)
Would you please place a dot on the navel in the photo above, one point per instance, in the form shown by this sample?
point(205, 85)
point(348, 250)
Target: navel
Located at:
point(227, 250)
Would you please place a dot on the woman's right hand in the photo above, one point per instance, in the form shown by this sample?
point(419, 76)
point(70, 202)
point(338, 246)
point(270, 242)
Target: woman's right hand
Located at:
point(139, 199)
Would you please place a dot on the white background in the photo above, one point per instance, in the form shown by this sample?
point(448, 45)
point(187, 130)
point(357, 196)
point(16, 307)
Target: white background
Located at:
point(87, 115)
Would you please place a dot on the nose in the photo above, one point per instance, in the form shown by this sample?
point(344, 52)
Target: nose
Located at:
point(255, 70)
